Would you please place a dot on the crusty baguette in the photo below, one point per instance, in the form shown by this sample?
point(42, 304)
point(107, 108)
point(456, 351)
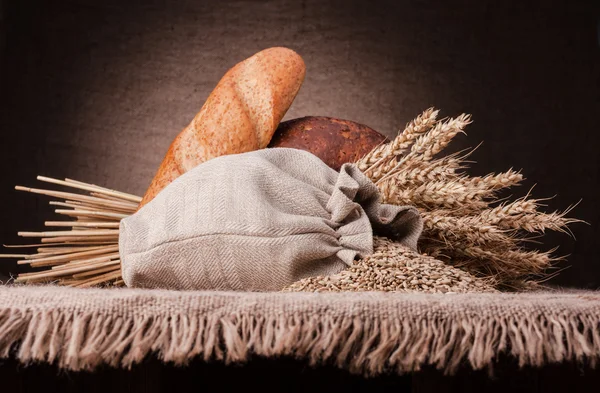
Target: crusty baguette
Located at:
point(334, 141)
point(240, 115)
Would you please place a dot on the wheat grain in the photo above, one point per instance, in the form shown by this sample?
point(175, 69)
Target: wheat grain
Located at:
point(393, 267)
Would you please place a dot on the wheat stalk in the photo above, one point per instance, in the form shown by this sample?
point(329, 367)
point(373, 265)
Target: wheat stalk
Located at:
point(434, 141)
point(466, 228)
point(384, 157)
point(442, 194)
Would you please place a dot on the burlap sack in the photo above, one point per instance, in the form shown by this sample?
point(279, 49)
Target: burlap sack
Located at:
point(258, 221)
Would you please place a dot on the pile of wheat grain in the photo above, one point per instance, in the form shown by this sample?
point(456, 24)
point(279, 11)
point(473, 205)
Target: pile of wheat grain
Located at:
point(393, 267)
point(465, 222)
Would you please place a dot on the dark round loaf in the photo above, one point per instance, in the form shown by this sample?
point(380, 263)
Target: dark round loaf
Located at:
point(334, 141)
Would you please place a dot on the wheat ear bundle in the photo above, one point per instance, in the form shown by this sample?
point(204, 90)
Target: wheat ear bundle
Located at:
point(466, 223)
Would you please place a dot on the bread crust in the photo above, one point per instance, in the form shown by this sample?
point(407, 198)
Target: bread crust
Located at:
point(240, 115)
point(334, 141)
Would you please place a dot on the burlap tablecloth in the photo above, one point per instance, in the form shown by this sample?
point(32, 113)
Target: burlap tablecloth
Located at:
point(368, 332)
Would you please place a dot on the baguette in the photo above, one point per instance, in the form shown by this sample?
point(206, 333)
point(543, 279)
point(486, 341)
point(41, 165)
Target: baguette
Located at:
point(240, 115)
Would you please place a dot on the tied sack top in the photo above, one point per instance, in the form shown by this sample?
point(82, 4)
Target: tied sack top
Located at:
point(258, 221)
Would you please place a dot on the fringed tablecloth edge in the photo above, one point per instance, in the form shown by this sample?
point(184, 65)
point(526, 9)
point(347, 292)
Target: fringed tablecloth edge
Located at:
point(364, 333)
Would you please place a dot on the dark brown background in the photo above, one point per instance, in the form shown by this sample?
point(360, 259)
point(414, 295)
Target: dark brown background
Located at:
point(96, 90)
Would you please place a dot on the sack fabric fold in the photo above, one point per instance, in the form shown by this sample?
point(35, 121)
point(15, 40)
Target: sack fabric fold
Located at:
point(258, 221)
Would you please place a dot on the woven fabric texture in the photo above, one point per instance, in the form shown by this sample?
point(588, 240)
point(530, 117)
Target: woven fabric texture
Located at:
point(258, 221)
point(368, 333)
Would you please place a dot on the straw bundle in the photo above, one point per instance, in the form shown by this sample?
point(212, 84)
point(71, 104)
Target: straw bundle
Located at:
point(466, 224)
point(85, 251)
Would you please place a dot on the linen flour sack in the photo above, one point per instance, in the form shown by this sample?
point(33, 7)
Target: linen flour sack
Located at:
point(258, 221)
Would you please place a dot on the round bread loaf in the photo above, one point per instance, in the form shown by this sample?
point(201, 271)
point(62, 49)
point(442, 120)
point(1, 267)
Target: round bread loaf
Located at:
point(334, 141)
